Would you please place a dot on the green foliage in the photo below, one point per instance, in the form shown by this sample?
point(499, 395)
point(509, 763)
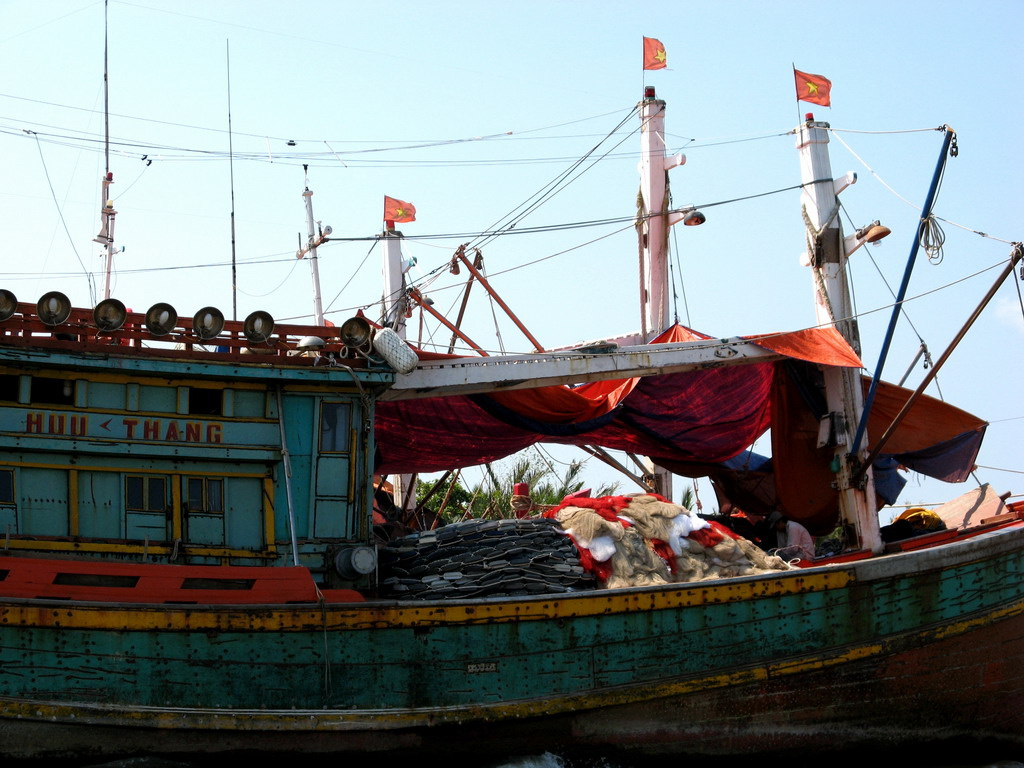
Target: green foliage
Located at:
point(450, 493)
point(492, 498)
point(687, 500)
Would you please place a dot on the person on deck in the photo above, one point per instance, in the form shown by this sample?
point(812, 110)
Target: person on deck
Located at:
point(793, 540)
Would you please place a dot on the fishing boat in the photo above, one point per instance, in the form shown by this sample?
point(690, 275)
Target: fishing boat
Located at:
point(190, 565)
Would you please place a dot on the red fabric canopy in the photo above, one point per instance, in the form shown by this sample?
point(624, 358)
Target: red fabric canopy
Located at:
point(706, 415)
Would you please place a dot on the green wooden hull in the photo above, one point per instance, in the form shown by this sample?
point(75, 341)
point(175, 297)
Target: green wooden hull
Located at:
point(125, 472)
point(650, 669)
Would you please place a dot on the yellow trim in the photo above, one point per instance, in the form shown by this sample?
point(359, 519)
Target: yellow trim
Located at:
point(268, 513)
point(111, 378)
point(369, 616)
point(135, 470)
point(338, 388)
point(176, 508)
point(97, 547)
point(350, 492)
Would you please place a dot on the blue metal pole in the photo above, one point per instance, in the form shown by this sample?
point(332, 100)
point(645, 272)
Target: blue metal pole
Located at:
point(898, 306)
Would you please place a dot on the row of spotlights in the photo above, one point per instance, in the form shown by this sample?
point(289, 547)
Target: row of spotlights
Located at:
point(54, 308)
point(110, 315)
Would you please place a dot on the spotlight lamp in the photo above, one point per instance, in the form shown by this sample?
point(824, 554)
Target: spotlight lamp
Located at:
point(161, 319)
point(54, 308)
point(109, 315)
point(258, 326)
point(8, 304)
point(207, 323)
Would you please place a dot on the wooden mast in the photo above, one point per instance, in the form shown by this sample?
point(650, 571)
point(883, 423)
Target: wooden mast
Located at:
point(652, 228)
point(396, 304)
point(845, 397)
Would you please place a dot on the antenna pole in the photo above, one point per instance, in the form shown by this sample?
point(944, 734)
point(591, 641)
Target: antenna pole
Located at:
point(231, 166)
point(312, 243)
point(107, 212)
point(106, 95)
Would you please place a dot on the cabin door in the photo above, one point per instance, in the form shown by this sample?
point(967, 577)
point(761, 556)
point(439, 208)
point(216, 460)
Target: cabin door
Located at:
point(334, 479)
point(147, 507)
point(224, 511)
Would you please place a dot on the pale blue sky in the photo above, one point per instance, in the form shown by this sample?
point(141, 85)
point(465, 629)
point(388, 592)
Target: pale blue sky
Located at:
point(466, 109)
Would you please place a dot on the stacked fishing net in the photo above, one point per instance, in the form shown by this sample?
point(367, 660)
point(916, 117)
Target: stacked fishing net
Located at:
point(630, 541)
point(483, 558)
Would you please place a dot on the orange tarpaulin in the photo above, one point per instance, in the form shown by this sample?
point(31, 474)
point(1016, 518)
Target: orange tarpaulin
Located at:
point(804, 474)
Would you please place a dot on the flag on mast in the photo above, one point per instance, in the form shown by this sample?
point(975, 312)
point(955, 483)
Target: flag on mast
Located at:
point(398, 210)
point(654, 54)
point(813, 88)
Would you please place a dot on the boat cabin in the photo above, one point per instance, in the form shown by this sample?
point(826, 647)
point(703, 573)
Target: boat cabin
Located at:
point(192, 441)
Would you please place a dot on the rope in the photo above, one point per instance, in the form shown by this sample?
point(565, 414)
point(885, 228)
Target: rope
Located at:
point(932, 239)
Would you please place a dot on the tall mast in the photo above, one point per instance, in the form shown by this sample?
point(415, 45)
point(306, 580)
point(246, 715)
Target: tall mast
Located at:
point(653, 226)
point(395, 299)
point(827, 253)
point(396, 302)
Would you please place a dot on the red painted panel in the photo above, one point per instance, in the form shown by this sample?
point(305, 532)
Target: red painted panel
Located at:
point(155, 583)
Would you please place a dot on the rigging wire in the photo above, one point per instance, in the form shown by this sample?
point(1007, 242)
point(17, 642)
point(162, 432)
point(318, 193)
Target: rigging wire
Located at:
point(71, 240)
point(549, 190)
point(694, 143)
point(1020, 299)
point(881, 274)
point(932, 236)
point(681, 280)
point(885, 184)
point(276, 288)
point(1000, 469)
point(873, 172)
point(401, 143)
point(494, 314)
point(351, 277)
point(537, 260)
point(883, 133)
point(123, 192)
point(172, 152)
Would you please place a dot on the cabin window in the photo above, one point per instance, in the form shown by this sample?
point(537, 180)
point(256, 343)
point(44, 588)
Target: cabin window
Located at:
point(53, 391)
point(145, 494)
point(250, 404)
point(206, 494)
point(205, 402)
point(335, 427)
point(155, 399)
point(9, 386)
point(6, 486)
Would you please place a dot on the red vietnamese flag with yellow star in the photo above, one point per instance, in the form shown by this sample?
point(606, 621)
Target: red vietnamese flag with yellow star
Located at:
point(813, 88)
point(654, 54)
point(398, 210)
